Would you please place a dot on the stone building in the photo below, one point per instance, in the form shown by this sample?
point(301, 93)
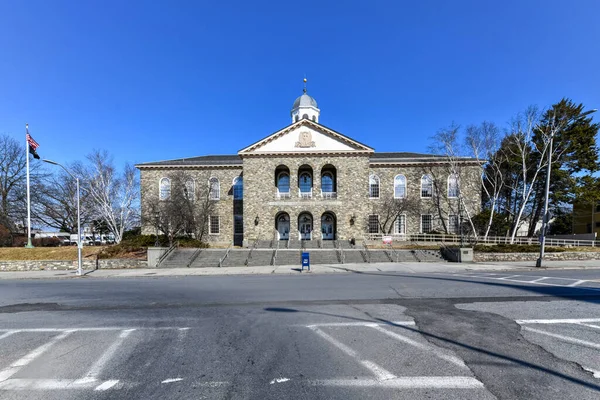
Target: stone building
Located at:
point(309, 182)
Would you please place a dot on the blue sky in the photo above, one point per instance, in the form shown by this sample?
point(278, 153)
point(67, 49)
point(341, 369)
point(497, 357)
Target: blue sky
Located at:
point(153, 80)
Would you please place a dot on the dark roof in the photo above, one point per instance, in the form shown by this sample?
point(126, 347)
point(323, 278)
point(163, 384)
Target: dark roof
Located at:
point(407, 156)
point(228, 159)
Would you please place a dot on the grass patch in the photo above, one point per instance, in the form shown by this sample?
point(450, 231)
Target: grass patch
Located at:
point(66, 253)
point(518, 248)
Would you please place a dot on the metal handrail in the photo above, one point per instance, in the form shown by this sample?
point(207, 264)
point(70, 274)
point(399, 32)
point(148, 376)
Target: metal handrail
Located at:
point(254, 245)
point(341, 252)
point(274, 260)
point(225, 256)
point(367, 251)
point(193, 258)
point(167, 253)
point(394, 252)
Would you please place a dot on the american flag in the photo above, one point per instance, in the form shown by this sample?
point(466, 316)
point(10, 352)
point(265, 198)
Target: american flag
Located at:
point(34, 145)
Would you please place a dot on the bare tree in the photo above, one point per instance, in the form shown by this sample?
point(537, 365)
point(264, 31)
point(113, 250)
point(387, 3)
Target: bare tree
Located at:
point(112, 195)
point(390, 209)
point(483, 141)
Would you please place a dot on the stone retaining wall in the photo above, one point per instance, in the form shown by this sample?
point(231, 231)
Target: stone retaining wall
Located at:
point(38, 265)
point(565, 256)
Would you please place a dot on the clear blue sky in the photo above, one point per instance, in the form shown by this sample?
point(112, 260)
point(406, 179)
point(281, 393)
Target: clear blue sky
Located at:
point(153, 80)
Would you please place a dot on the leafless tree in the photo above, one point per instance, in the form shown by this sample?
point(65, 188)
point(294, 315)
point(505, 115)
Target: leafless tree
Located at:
point(112, 195)
point(390, 209)
point(483, 141)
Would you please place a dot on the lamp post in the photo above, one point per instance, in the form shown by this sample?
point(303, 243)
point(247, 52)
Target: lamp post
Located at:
point(79, 244)
point(553, 130)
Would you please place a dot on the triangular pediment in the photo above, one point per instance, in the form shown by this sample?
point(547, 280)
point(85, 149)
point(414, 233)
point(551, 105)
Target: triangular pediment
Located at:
point(305, 136)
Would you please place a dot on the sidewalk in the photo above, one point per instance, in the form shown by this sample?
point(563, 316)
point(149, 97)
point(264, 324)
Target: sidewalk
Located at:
point(405, 268)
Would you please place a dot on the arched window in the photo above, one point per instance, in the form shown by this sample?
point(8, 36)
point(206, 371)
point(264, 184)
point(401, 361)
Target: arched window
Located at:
point(305, 182)
point(453, 190)
point(399, 187)
point(283, 182)
point(296, 118)
point(305, 116)
point(164, 191)
point(314, 118)
point(238, 188)
point(215, 189)
point(426, 186)
point(189, 190)
point(374, 186)
point(327, 182)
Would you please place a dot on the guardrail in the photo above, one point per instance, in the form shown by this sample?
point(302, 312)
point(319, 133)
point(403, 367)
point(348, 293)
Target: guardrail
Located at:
point(167, 253)
point(423, 237)
point(224, 257)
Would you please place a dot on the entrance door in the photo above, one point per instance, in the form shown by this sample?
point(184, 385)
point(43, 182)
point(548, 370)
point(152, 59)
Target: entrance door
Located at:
point(305, 230)
point(283, 227)
point(327, 227)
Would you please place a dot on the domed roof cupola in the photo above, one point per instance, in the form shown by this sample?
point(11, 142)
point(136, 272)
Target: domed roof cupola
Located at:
point(305, 107)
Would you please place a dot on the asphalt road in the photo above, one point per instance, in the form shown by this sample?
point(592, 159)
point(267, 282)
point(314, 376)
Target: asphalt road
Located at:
point(535, 335)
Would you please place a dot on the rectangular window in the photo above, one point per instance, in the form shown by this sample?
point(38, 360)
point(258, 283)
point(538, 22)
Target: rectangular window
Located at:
point(453, 227)
point(214, 226)
point(426, 223)
point(373, 223)
point(401, 225)
point(598, 208)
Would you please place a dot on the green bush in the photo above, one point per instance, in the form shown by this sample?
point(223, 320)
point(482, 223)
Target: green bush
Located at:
point(515, 248)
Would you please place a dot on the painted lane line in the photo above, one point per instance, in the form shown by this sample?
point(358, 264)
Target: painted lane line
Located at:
point(92, 329)
point(7, 334)
point(20, 363)
point(589, 325)
point(378, 371)
point(557, 321)
point(567, 339)
point(448, 357)
point(408, 382)
point(279, 380)
point(43, 384)
point(539, 279)
point(172, 380)
point(106, 385)
point(99, 365)
point(369, 324)
point(507, 277)
point(579, 282)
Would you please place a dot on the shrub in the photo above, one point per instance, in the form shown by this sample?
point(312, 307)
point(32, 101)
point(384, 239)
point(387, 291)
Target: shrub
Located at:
point(140, 243)
point(516, 248)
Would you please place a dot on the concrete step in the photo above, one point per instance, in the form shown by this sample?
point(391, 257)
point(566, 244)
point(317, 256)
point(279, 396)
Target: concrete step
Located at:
point(178, 258)
point(208, 258)
point(236, 258)
point(378, 256)
point(329, 244)
point(288, 257)
point(353, 256)
point(260, 258)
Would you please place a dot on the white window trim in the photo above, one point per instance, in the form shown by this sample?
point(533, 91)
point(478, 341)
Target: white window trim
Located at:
point(457, 186)
point(160, 188)
point(405, 186)
point(378, 226)
point(397, 222)
point(210, 197)
point(421, 222)
point(432, 188)
point(378, 184)
point(210, 225)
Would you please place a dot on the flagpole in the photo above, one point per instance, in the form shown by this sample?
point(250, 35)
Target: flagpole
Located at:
point(29, 245)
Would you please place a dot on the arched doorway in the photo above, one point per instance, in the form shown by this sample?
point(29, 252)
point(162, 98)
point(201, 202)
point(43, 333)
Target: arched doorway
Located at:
point(328, 226)
point(305, 226)
point(282, 224)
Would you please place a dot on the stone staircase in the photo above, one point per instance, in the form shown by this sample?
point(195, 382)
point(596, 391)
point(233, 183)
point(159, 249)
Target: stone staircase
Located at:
point(379, 256)
point(353, 256)
point(179, 258)
point(208, 258)
point(323, 257)
point(288, 257)
point(236, 258)
point(260, 257)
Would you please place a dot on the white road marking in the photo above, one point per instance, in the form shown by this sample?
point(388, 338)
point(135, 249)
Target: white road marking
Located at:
point(20, 363)
point(539, 279)
point(378, 371)
point(172, 380)
point(579, 282)
point(98, 366)
point(450, 358)
point(8, 333)
point(408, 382)
point(279, 380)
point(589, 325)
point(593, 371)
point(369, 324)
point(507, 277)
point(92, 329)
point(50, 384)
point(106, 385)
point(535, 281)
point(557, 321)
point(567, 339)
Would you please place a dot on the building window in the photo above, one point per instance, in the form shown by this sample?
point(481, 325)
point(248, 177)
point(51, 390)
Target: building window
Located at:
point(164, 191)
point(283, 182)
point(305, 182)
point(327, 182)
point(453, 224)
point(189, 190)
point(215, 189)
point(296, 118)
point(374, 186)
point(426, 186)
point(453, 190)
point(305, 116)
point(399, 187)
point(238, 188)
point(426, 225)
point(214, 226)
point(314, 118)
point(598, 208)
point(597, 224)
point(373, 223)
point(400, 225)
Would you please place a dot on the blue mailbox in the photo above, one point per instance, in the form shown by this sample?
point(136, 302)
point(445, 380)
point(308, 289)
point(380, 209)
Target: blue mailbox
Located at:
point(305, 261)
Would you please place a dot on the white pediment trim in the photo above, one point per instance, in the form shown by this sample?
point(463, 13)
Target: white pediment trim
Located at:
point(345, 144)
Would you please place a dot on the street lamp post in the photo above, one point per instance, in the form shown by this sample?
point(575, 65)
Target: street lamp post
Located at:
point(79, 243)
point(545, 217)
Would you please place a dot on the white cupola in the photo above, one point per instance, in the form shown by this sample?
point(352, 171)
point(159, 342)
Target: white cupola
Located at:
point(305, 107)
